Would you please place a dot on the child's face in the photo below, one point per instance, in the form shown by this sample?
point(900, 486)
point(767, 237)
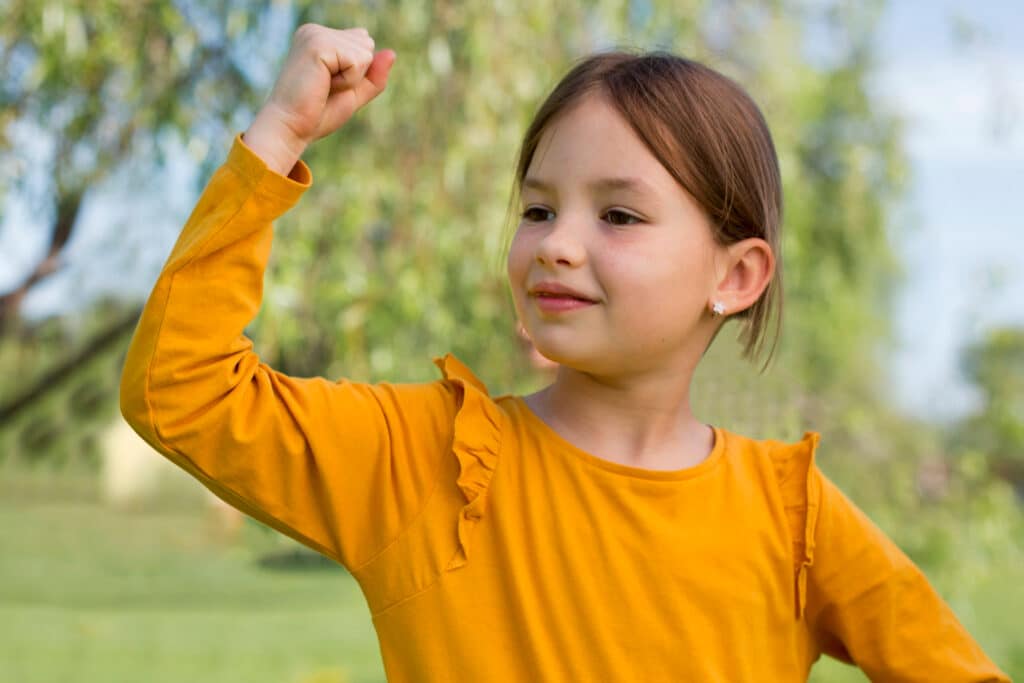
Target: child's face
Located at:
point(643, 256)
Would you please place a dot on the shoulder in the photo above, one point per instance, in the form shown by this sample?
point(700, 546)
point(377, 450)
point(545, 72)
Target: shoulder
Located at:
point(790, 465)
point(458, 395)
point(474, 407)
point(788, 468)
point(477, 432)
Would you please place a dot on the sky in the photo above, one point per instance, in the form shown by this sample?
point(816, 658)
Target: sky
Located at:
point(958, 234)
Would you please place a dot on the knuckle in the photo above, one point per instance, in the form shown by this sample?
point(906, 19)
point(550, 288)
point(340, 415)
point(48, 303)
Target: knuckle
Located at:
point(317, 48)
point(306, 30)
point(362, 35)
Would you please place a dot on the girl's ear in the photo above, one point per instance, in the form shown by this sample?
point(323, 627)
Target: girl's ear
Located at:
point(746, 268)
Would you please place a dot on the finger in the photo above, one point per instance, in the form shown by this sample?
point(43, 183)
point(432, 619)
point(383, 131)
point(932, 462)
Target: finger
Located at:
point(358, 37)
point(359, 32)
point(360, 60)
point(364, 38)
point(355, 72)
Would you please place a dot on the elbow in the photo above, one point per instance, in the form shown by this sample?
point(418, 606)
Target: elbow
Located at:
point(132, 392)
point(128, 403)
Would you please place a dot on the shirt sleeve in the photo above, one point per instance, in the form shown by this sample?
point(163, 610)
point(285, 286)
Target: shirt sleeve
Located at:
point(868, 604)
point(340, 466)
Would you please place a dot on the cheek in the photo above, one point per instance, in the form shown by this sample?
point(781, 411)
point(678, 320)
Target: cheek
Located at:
point(518, 263)
point(660, 277)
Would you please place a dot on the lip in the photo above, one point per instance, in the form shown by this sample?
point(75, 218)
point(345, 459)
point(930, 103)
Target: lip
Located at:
point(553, 290)
point(554, 297)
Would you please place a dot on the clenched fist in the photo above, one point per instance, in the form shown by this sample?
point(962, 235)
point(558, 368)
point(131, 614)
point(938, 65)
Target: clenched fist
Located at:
point(327, 76)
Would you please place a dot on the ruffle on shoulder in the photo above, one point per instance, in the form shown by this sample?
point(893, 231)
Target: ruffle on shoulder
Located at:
point(475, 445)
point(801, 495)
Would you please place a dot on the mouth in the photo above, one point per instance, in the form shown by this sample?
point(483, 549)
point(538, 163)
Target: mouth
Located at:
point(555, 291)
point(549, 296)
point(553, 297)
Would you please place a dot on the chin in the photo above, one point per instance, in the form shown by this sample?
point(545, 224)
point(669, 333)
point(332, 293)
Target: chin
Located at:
point(562, 346)
point(574, 358)
point(556, 353)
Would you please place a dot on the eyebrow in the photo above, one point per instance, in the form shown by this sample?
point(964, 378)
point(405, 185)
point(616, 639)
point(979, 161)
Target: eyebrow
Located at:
point(601, 184)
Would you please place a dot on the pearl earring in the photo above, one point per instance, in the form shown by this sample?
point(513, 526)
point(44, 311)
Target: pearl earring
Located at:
point(717, 309)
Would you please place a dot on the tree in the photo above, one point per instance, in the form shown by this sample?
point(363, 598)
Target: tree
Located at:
point(995, 366)
point(396, 253)
point(91, 85)
point(91, 88)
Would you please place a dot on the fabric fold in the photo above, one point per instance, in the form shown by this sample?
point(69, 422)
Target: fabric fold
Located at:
point(801, 495)
point(476, 445)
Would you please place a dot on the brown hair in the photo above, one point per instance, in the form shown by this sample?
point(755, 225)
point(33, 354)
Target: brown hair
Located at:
point(708, 133)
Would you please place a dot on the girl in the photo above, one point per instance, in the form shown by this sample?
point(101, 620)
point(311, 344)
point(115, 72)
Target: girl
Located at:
point(595, 530)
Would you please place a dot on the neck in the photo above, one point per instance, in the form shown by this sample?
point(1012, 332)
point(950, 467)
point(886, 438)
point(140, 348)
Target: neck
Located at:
point(643, 420)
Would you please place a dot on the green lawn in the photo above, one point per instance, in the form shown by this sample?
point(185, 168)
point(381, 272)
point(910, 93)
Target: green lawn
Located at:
point(92, 594)
point(88, 593)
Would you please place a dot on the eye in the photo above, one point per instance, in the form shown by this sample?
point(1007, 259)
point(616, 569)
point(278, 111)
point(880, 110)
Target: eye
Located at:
point(616, 217)
point(536, 214)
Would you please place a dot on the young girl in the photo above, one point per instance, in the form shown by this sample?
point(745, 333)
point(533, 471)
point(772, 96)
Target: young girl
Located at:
point(595, 530)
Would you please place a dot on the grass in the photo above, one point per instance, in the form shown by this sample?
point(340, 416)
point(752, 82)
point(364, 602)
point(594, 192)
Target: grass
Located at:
point(89, 593)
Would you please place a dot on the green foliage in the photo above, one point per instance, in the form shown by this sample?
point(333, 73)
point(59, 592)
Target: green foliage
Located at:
point(995, 365)
point(60, 428)
point(99, 82)
point(995, 432)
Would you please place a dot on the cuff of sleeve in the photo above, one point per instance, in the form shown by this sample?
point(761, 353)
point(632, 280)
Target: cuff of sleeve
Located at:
point(255, 172)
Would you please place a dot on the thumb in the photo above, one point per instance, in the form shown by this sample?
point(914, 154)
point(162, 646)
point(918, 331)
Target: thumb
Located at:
point(376, 78)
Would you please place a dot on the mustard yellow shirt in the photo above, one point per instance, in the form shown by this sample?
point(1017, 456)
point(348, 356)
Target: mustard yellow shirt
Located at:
point(489, 548)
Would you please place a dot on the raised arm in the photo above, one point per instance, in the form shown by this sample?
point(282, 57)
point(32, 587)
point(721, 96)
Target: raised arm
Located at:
point(337, 465)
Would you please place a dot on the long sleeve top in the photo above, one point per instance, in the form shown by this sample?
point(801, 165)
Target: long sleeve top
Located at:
point(488, 547)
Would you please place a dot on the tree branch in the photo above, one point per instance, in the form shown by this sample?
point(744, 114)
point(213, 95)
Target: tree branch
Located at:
point(66, 368)
point(68, 207)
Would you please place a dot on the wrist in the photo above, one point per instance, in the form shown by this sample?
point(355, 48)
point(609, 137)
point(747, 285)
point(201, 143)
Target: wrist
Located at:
point(274, 142)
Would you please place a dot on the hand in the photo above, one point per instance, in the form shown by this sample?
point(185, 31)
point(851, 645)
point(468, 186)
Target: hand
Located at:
point(328, 75)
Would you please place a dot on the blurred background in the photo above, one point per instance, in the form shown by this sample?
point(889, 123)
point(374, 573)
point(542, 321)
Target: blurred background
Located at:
point(900, 129)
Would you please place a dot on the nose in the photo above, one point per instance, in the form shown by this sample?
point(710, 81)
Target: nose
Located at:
point(563, 244)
